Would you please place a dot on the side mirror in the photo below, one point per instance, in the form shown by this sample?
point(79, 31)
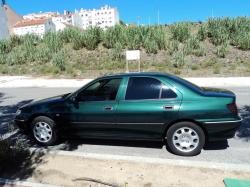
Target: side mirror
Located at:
point(75, 101)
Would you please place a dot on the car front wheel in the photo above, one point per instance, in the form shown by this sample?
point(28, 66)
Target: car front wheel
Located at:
point(44, 131)
point(185, 139)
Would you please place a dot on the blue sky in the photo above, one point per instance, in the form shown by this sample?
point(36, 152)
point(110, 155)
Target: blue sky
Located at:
point(169, 10)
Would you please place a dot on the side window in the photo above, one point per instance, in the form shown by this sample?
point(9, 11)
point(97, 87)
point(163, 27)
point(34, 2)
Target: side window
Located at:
point(103, 90)
point(167, 93)
point(143, 88)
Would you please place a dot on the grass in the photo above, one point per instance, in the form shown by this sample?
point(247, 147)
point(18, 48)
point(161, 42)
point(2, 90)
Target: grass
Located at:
point(190, 49)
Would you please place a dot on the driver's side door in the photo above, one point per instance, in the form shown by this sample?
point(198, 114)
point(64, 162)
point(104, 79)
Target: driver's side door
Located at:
point(94, 114)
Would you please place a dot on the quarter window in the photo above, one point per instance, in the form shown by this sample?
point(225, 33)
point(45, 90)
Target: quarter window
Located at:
point(167, 93)
point(103, 90)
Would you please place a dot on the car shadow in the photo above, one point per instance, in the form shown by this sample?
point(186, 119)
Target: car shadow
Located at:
point(244, 130)
point(73, 144)
point(17, 162)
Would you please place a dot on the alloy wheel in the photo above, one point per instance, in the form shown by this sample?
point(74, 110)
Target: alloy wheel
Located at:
point(185, 139)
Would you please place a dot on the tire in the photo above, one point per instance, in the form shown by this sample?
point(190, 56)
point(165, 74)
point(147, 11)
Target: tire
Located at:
point(185, 139)
point(44, 131)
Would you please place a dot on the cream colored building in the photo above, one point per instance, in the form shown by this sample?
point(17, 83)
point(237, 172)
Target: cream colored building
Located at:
point(38, 27)
point(104, 17)
point(61, 21)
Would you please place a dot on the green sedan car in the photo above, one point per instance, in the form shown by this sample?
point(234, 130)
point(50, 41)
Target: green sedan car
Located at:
point(136, 106)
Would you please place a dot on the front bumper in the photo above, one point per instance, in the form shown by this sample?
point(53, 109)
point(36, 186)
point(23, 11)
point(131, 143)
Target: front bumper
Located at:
point(21, 124)
point(221, 130)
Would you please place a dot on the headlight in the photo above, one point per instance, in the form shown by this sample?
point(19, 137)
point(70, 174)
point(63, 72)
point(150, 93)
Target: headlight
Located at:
point(18, 112)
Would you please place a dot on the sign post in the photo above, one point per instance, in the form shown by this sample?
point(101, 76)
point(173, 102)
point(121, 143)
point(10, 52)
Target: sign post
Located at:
point(132, 55)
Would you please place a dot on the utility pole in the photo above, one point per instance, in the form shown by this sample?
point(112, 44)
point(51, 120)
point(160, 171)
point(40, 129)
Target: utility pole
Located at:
point(149, 20)
point(138, 20)
point(158, 17)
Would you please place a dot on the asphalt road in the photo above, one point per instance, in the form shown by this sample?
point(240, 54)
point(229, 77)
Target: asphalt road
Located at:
point(236, 150)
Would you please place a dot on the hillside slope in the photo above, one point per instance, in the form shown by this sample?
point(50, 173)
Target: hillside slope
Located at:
point(218, 47)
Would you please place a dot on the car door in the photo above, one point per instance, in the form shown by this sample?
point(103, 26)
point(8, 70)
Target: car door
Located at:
point(94, 113)
point(148, 105)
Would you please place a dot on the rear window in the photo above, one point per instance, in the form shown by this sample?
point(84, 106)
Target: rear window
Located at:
point(187, 83)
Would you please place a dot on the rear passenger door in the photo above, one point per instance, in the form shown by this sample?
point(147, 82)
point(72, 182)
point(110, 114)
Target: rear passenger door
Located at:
point(147, 105)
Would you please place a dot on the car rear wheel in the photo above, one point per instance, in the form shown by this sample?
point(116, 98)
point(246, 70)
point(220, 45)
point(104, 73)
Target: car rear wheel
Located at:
point(185, 139)
point(44, 131)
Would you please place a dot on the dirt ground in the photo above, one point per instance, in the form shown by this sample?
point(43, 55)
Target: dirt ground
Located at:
point(81, 172)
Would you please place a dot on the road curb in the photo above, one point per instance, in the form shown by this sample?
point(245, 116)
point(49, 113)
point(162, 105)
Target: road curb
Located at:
point(174, 162)
point(23, 183)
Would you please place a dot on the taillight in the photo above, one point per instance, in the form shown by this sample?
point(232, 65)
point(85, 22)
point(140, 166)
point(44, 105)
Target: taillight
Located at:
point(232, 107)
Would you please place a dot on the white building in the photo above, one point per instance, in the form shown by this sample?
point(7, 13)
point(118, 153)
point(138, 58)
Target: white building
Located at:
point(38, 27)
point(40, 15)
point(61, 21)
point(104, 17)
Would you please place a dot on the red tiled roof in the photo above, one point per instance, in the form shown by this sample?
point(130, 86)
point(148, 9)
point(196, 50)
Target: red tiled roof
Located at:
point(30, 22)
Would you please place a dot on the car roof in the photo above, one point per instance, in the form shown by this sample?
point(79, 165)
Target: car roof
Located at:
point(137, 74)
point(174, 78)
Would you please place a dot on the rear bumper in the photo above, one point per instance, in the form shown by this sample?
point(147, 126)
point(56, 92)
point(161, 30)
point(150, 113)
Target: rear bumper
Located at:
point(221, 130)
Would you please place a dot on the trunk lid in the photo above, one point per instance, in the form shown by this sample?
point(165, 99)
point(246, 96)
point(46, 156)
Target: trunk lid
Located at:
point(218, 92)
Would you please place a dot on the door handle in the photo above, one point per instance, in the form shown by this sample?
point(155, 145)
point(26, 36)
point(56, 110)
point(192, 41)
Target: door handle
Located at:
point(108, 108)
point(168, 107)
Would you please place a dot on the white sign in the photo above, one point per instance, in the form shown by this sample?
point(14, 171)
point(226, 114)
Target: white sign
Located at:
point(133, 55)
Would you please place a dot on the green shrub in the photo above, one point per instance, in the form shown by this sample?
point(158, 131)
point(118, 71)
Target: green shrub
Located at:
point(53, 41)
point(172, 46)
point(31, 39)
point(194, 67)
point(210, 63)
point(222, 50)
point(194, 47)
point(218, 30)
point(15, 40)
point(180, 31)
point(117, 52)
point(59, 60)
point(179, 59)
point(5, 46)
point(176, 71)
point(157, 34)
point(242, 41)
point(199, 52)
point(43, 54)
point(202, 33)
point(28, 47)
point(113, 35)
point(16, 56)
point(221, 30)
point(151, 46)
point(3, 57)
point(219, 37)
point(217, 68)
point(78, 41)
point(192, 44)
point(92, 38)
point(133, 38)
point(68, 35)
